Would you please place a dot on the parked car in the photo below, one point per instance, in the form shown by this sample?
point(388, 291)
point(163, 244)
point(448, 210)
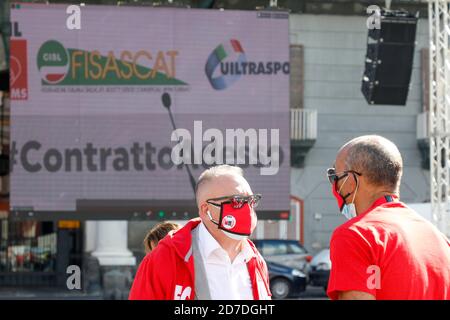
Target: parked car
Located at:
point(285, 252)
point(285, 281)
point(319, 269)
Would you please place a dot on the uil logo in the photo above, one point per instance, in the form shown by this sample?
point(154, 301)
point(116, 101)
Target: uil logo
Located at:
point(224, 52)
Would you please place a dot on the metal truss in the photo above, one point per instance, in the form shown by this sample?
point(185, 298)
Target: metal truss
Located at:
point(439, 120)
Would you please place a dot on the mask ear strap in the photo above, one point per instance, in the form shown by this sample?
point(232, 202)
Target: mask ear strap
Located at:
point(339, 191)
point(348, 194)
point(211, 218)
point(356, 189)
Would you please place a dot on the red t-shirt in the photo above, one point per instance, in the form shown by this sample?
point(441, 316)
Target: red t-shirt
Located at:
point(390, 252)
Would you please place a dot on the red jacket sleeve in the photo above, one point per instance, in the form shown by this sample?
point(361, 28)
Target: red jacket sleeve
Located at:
point(142, 289)
point(351, 255)
point(151, 282)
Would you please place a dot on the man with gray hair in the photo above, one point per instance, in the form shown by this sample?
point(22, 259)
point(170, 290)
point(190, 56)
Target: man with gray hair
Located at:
point(385, 250)
point(211, 257)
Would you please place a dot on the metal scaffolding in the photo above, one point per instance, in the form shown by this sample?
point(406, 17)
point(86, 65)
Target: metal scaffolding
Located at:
point(439, 120)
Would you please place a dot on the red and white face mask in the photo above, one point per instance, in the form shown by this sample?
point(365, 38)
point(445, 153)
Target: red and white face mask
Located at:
point(236, 223)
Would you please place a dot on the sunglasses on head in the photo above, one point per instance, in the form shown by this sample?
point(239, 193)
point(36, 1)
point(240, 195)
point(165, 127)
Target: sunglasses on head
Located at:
point(334, 176)
point(237, 201)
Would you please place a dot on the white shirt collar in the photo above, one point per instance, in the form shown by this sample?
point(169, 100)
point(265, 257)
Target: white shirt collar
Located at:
point(208, 245)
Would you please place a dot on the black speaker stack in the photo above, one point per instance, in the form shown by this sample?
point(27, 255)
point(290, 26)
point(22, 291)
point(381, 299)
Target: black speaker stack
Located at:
point(389, 59)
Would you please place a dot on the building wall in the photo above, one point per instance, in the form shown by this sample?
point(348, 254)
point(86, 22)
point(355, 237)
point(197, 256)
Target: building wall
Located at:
point(334, 52)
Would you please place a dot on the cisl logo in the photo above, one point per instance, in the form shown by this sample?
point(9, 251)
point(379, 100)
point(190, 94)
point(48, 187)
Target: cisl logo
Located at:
point(53, 62)
point(18, 69)
point(64, 66)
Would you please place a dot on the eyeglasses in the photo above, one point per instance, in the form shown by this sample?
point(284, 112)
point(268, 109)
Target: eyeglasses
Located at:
point(333, 176)
point(237, 201)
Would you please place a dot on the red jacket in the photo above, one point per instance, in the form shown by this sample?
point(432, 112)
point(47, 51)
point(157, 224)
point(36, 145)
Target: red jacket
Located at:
point(167, 273)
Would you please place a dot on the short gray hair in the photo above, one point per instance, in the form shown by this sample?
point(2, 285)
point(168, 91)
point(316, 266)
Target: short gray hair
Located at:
point(378, 159)
point(216, 171)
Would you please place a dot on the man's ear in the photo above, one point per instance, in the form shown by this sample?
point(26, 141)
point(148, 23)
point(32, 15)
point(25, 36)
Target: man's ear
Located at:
point(202, 211)
point(355, 180)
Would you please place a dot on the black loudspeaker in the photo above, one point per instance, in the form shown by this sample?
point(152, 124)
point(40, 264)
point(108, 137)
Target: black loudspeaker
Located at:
point(389, 59)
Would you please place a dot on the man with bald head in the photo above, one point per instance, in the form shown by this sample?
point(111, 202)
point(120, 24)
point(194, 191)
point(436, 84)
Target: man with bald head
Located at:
point(211, 257)
point(385, 250)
